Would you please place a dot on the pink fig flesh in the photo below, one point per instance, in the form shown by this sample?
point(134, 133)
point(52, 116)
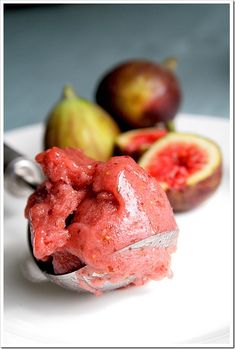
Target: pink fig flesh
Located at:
point(189, 168)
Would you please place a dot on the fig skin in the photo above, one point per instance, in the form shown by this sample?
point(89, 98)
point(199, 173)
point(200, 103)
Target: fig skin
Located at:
point(192, 196)
point(76, 122)
point(194, 192)
point(139, 93)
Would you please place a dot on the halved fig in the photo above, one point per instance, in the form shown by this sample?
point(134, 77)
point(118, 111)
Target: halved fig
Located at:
point(187, 166)
point(134, 143)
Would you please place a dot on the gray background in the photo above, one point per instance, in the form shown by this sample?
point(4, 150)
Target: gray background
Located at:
point(49, 45)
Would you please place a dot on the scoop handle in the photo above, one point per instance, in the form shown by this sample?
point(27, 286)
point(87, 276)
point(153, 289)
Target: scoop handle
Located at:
point(9, 155)
point(21, 175)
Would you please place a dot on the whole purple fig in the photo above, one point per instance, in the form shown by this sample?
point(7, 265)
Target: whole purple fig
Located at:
point(140, 93)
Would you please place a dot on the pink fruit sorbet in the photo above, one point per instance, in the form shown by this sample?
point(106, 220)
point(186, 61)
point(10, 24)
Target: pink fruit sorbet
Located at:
point(86, 210)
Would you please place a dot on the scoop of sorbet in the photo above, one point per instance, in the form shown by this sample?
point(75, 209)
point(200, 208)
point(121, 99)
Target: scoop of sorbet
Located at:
point(86, 210)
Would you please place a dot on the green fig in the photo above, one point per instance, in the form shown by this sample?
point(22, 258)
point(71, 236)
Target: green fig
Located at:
point(76, 122)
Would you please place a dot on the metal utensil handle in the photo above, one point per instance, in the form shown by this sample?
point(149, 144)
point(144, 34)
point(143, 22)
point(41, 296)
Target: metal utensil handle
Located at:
point(10, 155)
point(21, 175)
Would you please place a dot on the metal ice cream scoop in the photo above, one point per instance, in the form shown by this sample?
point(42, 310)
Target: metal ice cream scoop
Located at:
point(22, 175)
point(86, 277)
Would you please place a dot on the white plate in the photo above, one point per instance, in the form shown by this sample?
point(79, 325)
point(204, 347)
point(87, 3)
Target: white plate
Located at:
point(193, 307)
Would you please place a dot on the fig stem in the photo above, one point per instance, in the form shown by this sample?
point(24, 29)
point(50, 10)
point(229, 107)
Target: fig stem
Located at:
point(170, 63)
point(68, 92)
point(170, 126)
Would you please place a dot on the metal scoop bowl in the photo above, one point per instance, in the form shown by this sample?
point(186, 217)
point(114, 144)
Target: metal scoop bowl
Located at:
point(22, 175)
point(86, 277)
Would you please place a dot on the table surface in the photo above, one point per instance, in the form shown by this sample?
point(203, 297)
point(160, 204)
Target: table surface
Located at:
point(47, 46)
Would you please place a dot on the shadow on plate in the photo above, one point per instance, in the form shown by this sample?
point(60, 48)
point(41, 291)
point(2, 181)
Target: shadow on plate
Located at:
point(43, 296)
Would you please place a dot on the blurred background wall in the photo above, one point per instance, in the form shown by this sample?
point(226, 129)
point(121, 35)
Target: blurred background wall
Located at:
point(46, 46)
